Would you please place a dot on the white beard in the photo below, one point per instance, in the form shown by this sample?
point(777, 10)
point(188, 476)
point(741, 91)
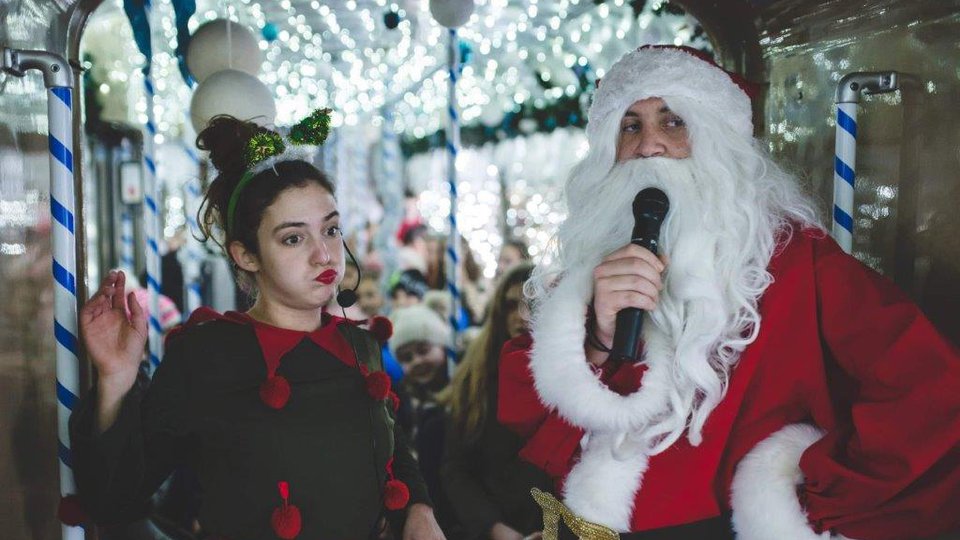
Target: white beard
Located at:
point(719, 241)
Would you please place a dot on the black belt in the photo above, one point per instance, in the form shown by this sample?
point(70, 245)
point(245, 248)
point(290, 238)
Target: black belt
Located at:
point(717, 528)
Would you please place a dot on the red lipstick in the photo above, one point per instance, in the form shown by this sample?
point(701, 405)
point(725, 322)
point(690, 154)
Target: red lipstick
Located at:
point(327, 277)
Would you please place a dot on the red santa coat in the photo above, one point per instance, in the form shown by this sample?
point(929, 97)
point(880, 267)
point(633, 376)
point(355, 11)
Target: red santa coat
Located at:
point(839, 348)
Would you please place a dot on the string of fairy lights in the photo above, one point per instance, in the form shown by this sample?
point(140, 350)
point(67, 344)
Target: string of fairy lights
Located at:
point(517, 51)
point(363, 57)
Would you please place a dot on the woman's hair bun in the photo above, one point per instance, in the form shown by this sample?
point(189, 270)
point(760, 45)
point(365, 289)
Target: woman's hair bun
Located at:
point(225, 137)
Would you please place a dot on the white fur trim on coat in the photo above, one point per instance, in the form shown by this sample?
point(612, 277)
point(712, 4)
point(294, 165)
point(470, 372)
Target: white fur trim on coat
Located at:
point(563, 376)
point(602, 487)
point(603, 484)
point(764, 490)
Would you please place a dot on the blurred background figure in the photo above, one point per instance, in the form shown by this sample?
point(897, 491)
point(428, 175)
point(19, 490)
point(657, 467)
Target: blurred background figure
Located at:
point(171, 270)
point(419, 343)
point(473, 288)
point(414, 250)
point(513, 252)
point(369, 297)
point(407, 288)
point(487, 484)
point(370, 302)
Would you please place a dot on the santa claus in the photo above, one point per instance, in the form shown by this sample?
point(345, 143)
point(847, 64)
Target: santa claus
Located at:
point(785, 391)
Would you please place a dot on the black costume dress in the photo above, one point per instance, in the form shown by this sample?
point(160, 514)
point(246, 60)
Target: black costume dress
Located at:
point(333, 441)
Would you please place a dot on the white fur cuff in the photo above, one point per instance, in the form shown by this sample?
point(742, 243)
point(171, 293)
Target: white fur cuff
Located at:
point(764, 490)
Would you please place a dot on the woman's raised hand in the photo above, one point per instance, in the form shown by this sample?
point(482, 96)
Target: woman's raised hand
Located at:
point(113, 340)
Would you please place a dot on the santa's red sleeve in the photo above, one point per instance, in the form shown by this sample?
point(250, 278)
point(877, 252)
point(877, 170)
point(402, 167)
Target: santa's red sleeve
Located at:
point(551, 442)
point(891, 470)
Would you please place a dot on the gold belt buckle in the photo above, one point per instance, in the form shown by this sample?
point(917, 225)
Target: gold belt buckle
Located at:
point(554, 511)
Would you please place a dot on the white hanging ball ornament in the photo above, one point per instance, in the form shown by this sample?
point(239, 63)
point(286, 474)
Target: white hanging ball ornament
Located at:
point(232, 92)
point(221, 44)
point(492, 114)
point(451, 13)
point(560, 74)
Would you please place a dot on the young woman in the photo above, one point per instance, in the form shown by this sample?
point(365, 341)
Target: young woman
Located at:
point(484, 480)
point(283, 411)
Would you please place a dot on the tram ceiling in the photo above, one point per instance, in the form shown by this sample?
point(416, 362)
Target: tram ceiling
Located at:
point(343, 55)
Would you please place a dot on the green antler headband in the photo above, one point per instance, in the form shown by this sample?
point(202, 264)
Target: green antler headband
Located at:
point(267, 148)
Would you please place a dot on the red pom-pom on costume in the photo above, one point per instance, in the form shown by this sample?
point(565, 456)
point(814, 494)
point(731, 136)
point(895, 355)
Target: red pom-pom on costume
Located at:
point(394, 400)
point(286, 519)
point(396, 495)
point(626, 380)
point(69, 511)
point(275, 391)
point(381, 328)
point(378, 385)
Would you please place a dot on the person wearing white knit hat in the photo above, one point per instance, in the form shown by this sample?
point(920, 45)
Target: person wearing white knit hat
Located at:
point(419, 342)
point(783, 389)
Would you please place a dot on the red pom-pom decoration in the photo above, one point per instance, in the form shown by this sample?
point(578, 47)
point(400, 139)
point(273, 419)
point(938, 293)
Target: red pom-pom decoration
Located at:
point(69, 511)
point(626, 380)
point(381, 328)
point(275, 391)
point(286, 519)
point(394, 400)
point(396, 495)
point(378, 385)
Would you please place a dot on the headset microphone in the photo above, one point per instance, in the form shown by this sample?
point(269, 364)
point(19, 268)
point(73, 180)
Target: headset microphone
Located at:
point(345, 299)
point(348, 297)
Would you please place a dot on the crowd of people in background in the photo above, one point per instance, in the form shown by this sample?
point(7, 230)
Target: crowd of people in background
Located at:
point(448, 387)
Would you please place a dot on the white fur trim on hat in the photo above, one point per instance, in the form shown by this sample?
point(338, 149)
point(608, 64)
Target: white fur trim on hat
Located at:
point(664, 73)
point(418, 323)
point(764, 490)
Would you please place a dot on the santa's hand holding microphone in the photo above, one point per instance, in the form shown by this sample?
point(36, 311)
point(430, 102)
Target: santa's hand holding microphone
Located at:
point(628, 282)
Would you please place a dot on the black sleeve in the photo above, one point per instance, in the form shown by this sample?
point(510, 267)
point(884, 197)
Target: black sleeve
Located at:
point(406, 469)
point(472, 505)
point(117, 471)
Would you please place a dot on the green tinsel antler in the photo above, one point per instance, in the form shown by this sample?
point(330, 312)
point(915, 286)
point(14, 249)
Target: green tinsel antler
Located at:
point(261, 146)
point(312, 129)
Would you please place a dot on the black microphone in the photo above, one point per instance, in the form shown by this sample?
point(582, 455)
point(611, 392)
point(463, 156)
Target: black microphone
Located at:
point(649, 209)
point(348, 297)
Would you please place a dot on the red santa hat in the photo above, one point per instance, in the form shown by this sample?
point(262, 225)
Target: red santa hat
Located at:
point(666, 71)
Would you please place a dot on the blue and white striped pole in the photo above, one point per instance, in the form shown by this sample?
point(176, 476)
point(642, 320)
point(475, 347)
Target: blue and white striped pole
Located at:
point(151, 227)
point(126, 240)
point(58, 79)
point(844, 174)
point(849, 90)
point(62, 198)
point(192, 249)
point(390, 191)
point(453, 148)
